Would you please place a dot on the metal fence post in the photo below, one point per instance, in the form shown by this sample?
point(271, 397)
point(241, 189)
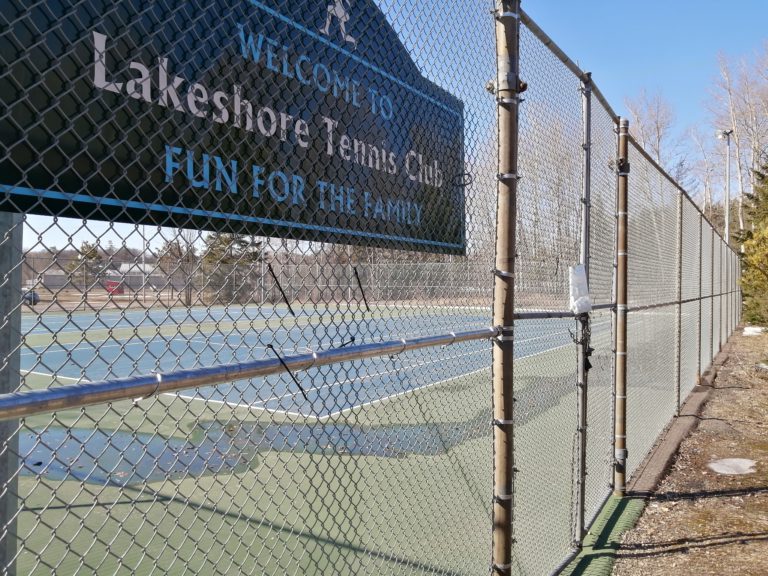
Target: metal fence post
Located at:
point(720, 306)
point(10, 339)
point(724, 278)
point(712, 297)
point(679, 319)
point(583, 348)
point(620, 397)
point(508, 85)
point(701, 279)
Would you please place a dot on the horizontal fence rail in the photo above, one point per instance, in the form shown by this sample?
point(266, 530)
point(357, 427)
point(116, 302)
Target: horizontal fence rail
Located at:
point(23, 404)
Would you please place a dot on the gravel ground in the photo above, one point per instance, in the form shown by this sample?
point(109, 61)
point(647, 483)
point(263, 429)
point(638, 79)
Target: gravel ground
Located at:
point(701, 522)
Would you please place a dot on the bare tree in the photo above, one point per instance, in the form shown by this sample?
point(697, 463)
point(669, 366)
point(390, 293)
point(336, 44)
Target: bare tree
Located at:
point(704, 167)
point(179, 261)
point(729, 98)
point(651, 125)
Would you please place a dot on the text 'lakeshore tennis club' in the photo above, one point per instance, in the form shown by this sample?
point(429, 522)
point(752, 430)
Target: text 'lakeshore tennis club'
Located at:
point(159, 86)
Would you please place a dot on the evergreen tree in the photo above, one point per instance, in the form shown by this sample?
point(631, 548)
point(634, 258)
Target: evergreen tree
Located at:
point(754, 259)
point(230, 266)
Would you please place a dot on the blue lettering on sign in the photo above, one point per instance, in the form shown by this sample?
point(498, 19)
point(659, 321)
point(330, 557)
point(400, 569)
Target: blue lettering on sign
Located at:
point(225, 172)
point(278, 58)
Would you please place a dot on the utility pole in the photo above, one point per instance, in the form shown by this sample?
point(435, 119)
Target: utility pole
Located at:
point(726, 135)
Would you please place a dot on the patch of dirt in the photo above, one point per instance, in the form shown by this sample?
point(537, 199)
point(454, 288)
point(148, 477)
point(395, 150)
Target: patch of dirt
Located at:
point(700, 522)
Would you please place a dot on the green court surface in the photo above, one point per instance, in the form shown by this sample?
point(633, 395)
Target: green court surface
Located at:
point(286, 511)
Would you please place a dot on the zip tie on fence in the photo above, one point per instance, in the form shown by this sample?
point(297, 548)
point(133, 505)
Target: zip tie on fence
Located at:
point(350, 341)
point(282, 292)
point(453, 340)
point(360, 285)
point(285, 366)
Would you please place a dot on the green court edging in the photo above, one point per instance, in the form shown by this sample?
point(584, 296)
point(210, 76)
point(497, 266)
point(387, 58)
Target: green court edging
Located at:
point(601, 543)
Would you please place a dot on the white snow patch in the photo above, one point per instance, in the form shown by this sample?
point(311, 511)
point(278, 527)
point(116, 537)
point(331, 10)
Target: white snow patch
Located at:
point(733, 466)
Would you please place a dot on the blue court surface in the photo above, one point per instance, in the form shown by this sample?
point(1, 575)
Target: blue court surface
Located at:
point(85, 346)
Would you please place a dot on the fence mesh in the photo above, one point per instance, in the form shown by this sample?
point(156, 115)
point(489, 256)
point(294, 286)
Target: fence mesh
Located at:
point(194, 185)
point(335, 139)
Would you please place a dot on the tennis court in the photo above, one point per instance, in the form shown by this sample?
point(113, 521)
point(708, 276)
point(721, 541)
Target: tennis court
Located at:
point(91, 347)
point(235, 455)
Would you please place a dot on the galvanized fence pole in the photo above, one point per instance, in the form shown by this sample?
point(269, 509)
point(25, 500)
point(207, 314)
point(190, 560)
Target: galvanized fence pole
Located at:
point(724, 277)
point(701, 279)
point(712, 297)
point(583, 348)
point(10, 341)
point(678, 317)
point(723, 317)
point(620, 395)
point(508, 86)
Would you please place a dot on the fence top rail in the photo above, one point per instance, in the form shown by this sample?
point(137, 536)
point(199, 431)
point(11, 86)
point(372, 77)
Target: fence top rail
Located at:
point(566, 60)
point(32, 402)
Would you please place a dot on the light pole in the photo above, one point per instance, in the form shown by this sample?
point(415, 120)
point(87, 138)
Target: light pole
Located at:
point(726, 135)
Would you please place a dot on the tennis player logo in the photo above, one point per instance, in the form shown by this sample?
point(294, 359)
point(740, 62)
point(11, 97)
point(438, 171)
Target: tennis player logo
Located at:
point(339, 9)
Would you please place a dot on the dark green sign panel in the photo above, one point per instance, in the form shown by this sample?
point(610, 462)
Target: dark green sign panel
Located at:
point(302, 119)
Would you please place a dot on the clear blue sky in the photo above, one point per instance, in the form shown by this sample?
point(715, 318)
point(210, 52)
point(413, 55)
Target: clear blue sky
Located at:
point(669, 46)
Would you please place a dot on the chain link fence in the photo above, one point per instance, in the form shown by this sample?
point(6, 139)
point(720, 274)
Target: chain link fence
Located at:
point(307, 190)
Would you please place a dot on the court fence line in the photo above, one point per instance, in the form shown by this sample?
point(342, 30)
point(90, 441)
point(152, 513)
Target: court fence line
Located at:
point(187, 204)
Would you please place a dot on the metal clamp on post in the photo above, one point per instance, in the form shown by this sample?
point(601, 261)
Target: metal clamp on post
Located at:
point(503, 497)
point(452, 342)
point(622, 165)
point(505, 177)
point(620, 454)
point(159, 380)
point(516, 99)
point(502, 14)
point(503, 274)
point(505, 333)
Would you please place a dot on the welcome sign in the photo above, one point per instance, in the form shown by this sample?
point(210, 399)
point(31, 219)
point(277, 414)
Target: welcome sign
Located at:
point(301, 119)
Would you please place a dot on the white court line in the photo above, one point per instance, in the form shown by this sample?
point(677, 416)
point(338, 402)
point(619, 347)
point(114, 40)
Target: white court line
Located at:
point(54, 376)
point(255, 405)
point(404, 392)
point(237, 405)
point(368, 376)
